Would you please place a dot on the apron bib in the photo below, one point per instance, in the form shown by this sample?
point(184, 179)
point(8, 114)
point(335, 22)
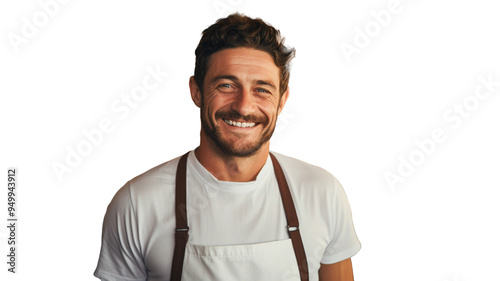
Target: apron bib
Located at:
point(277, 260)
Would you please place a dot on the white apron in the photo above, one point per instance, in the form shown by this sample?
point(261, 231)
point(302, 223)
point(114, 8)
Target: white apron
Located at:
point(270, 261)
point(264, 261)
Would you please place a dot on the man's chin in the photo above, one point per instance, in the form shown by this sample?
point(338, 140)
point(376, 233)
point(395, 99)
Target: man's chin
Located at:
point(234, 147)
point(238, 151)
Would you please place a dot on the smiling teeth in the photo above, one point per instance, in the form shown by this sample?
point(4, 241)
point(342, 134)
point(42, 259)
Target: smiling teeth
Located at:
point(239, 124)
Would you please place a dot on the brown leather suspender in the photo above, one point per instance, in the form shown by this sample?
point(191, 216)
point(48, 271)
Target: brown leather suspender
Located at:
point(181, 234)
point(292, 220)
point(182, 229)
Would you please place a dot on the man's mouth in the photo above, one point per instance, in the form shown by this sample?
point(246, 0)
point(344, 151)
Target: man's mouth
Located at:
point(239, 124)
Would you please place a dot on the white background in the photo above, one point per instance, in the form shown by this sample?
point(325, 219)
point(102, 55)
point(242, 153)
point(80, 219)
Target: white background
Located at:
point(359, 116)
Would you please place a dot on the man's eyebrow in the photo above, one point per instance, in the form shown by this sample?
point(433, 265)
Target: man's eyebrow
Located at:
point(268, 83)
point(229, 77)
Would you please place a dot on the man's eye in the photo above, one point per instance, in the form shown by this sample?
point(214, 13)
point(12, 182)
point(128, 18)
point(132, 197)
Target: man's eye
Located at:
point(263, 91)
point(225, 87)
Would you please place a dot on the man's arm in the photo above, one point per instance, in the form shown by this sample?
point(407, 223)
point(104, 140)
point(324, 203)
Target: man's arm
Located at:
point(120, 257)
point(340, 271)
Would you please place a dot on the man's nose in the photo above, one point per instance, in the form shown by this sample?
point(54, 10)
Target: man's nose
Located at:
point(244, 102)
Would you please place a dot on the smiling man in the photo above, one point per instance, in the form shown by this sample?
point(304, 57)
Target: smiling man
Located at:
point(230, 209)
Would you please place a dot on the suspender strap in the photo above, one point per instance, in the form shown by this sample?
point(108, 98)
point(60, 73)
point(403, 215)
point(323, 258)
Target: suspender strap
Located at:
point(292, 220)
point(181, 232)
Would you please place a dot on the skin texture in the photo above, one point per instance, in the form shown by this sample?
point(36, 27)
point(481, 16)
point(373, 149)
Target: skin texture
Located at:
point(242, 85)
point(340, 271)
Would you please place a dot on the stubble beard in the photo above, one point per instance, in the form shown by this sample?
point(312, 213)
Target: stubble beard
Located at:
point(233, 149)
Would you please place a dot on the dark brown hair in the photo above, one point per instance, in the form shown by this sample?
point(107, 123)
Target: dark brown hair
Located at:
point(238, 30)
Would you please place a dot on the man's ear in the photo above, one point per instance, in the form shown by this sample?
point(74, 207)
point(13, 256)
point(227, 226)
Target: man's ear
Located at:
point(283, 100)
point(195, 92)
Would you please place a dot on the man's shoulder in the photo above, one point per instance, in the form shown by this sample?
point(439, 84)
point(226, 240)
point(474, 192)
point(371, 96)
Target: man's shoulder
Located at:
point(298, 170)
point(140, 195)
point(157, 178)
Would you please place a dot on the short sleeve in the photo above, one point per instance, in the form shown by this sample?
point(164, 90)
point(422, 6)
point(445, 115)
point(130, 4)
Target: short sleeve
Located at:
point(120, 257)
point(344, 241)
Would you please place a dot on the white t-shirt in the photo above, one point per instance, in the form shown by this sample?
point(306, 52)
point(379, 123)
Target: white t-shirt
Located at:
point(139, 226)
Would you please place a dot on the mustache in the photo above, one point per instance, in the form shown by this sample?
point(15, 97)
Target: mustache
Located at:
point(234, 115)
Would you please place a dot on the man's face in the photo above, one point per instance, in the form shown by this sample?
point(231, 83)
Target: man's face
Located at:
point(240, 101)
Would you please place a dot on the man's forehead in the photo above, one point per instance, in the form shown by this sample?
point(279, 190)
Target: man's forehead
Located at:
point(242, 53)
point(242, 59)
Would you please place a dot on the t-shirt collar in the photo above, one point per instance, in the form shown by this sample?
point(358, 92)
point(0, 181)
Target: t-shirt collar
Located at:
point(207, 178)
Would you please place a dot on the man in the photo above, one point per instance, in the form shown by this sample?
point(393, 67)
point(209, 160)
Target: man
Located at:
point(230, 209)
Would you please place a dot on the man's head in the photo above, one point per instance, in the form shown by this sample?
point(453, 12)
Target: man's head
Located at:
point(241, 31)
point(240, 84)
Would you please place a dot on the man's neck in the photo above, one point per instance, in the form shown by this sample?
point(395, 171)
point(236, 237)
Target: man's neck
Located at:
point(232, 168)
